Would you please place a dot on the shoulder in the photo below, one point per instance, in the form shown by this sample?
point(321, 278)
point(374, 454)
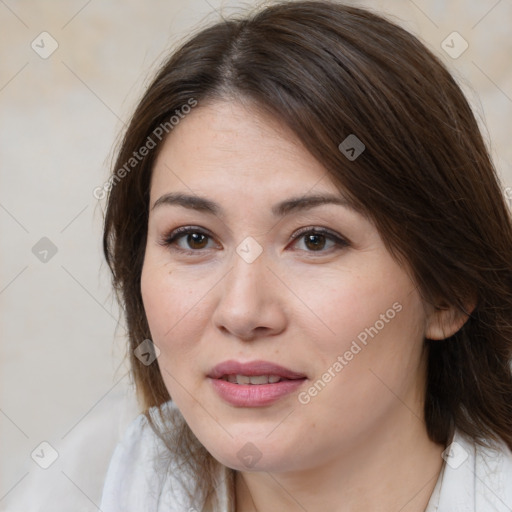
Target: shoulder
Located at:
point(493, 477)
point(476, 477)
point(140, 474)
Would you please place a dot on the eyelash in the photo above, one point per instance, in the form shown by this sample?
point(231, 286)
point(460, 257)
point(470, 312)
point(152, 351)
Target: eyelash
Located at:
point(171, 238)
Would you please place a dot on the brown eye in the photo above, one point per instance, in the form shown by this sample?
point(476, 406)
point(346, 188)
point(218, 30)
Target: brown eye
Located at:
point(189, 239)
point(316, 239)
point(315, 242)
point(197, 240)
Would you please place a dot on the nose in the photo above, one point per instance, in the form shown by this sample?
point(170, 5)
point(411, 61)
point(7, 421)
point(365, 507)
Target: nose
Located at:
point(251, 304)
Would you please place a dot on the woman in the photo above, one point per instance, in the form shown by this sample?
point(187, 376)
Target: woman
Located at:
point(314, 256)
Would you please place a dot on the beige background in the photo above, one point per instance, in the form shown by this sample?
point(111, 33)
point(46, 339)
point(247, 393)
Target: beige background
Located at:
point(63, 379)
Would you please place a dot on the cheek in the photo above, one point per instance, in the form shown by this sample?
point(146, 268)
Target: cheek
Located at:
point(177, 312)
point(342, 305)
point(175, 303)
point(375, 358)
point(373, 322)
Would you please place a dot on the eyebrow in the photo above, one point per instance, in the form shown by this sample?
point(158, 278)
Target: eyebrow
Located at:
point(281, 209)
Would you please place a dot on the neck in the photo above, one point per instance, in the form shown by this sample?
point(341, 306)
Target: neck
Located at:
point(393, 468)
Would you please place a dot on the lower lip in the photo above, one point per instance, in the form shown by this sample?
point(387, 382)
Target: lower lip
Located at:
point(254, 395)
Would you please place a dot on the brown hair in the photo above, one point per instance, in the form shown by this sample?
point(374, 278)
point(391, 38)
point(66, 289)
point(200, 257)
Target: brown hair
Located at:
point(425, 179)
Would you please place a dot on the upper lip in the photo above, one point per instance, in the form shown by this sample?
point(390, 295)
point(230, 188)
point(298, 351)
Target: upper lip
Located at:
point(252, 368)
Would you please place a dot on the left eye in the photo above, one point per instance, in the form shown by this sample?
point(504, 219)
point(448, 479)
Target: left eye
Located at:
point(317, 240)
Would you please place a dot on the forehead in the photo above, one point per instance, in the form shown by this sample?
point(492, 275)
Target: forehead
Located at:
point(234, 147)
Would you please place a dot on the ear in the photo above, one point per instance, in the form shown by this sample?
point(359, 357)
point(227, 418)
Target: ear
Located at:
point(444, 321)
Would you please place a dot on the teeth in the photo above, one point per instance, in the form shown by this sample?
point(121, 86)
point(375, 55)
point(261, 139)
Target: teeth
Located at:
point(259, 379)
point(243, 379)
point(253, 379)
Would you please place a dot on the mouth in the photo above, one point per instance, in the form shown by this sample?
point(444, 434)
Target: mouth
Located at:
point(228, 370)
point(254, 384)
point(255, 380)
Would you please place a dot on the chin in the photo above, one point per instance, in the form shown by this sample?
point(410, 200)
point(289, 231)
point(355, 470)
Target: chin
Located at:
point(253, 451)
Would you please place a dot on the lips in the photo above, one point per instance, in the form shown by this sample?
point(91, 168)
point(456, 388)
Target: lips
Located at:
point(253, 369)
point(254, 384)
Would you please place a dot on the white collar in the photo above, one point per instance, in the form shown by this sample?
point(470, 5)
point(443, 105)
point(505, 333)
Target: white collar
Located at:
point(474, 478)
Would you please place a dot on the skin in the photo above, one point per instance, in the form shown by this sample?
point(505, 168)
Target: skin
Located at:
point(361, 442)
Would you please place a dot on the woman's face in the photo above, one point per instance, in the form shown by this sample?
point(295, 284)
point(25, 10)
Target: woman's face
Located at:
point(257, 271)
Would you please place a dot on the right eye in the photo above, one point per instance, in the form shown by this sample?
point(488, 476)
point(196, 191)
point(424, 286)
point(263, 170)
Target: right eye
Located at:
point(190, 239)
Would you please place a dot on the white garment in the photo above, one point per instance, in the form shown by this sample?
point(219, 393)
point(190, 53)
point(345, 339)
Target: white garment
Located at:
point(473, 479)
point(143, 477)
point(74, 482)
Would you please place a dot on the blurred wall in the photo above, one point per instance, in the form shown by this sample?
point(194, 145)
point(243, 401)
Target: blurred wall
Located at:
point(70, 74)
